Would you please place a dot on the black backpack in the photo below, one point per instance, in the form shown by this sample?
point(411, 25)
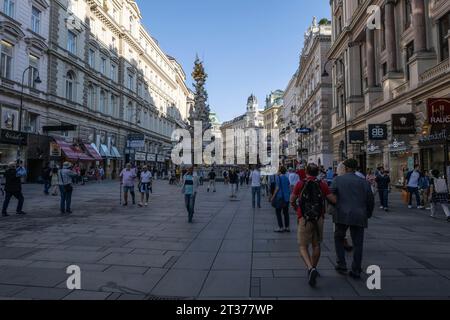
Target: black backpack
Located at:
point(312, 203)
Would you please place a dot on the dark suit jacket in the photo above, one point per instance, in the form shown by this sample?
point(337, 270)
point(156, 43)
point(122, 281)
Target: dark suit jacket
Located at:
point(355, 200)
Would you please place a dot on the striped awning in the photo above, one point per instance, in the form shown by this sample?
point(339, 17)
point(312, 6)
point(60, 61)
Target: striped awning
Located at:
point(72, 151)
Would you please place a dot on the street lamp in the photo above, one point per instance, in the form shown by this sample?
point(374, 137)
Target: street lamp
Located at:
point(36, 80)
point(324, 75)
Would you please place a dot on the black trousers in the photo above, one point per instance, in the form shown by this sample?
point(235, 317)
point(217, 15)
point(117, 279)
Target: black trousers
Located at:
point(18, 195)
point(357, 234)
point(285, 212)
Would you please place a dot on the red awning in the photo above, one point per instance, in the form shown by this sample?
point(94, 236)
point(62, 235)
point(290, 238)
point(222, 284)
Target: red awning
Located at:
point(72, 152)
point(93, 153)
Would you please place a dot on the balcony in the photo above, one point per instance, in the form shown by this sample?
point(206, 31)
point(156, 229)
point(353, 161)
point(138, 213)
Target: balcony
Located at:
point(439, 70)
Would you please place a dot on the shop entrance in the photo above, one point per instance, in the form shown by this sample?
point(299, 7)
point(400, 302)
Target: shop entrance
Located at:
point(34, 170)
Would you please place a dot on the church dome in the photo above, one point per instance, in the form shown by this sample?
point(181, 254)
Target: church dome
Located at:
point(252, 100)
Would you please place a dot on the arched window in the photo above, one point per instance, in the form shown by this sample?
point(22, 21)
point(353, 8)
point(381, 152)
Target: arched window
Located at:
point(113, 106)
point(103, 102)
point(130, 112)
point(70, 86)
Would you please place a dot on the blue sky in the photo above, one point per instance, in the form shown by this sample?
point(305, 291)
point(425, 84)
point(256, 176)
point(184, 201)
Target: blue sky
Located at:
point(248, 46)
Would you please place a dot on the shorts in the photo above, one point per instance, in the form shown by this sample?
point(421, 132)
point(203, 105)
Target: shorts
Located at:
point(307, 234)
point(128, 189)
point(145, 187)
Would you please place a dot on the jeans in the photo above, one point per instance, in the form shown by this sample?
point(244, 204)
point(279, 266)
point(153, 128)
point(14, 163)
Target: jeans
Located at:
point(18, 196)
point(66, 199)
point(212, 183)
point(384, 197)
point(256, 193)
point(414, 191)
point(285, 211)
point(189, 200)
point(47, 186)
point(357, 234)
point(234, 189)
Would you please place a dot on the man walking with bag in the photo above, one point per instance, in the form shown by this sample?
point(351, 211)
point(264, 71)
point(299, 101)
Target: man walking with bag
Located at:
point(13, 188)
point(354, 206)
point(65, 176)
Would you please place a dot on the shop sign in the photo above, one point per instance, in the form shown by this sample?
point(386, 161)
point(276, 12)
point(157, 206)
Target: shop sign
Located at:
point(436, 137)
point(356, 137)
point(13, 137)
point(373, 149)
point(438, 111)
point(378, 132)
point(140, 156)
point(151, 157)
point(161, 158)
point(403, 123)
point(55, 150)
point(136, 141)
point(396, 146)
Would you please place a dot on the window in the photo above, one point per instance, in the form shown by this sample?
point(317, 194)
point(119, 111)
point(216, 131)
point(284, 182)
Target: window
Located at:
point(408, 13)
point(91, 98)
point(444, 28)
point(33, 73)
point(71, 42)
point(139, 89)
point(32, 122)
point(70, 85)
point(6, 60)
point(130, 82)
point(35, 20)
point(8, 7)
point(103, 66)
point(102, 102)
point(91, 58)
point(113, 44)
point(409, 54)
point(113, 105)
point(113, 72)
point(131, 24)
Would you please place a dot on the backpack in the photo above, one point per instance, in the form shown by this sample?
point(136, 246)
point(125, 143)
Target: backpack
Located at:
point(312, 203)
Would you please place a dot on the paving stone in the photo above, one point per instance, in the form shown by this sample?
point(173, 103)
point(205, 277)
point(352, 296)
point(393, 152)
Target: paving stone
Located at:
point(140, 260)
point(9, 290)
point(87, 295)
point(227, 284)
point(40, 294)
point(26, 276)
point(71, 256)
point(195, 260)
point(126, 269)
point(15, 252)
point(233, 261)
point(181, 283)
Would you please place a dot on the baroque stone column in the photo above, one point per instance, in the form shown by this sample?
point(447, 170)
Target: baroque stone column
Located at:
point(391, 45)
point(370, 56)
point(420, 40)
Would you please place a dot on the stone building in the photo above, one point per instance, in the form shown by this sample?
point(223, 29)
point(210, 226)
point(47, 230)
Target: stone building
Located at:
point(389, 74)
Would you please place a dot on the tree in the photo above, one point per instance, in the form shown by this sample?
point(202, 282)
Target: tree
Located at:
point(200, 111)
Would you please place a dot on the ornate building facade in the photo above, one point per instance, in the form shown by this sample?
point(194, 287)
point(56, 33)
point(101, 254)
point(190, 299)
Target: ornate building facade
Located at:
point(385, 86)
point(104, 79)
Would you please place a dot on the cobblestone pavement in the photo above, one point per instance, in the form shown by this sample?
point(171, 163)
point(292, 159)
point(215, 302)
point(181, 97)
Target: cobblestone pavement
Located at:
point(229, 252)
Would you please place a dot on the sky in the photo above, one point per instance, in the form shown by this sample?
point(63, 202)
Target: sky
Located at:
point(247, 46)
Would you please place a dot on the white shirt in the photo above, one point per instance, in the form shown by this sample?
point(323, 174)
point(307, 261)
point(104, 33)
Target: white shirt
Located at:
point(146, 176)
point(255, 176)
point(359, 174)
point(414, 179)
point(293, 179)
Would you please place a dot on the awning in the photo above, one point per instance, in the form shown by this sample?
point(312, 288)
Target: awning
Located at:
point(104, 151)
point(92, 150)
point(115, 153)
point(73, 152)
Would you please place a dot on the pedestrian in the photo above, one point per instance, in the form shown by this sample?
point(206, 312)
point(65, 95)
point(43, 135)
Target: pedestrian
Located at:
point(330, 176)
point(102, 173)
point(383, 182)
point(424, 189)
point(280, 200)
point(241, 178)
point(359, 173)
point(65, 180)
point(128, 175)
point(189, 189)
point(77, 170)
point(255, 177)
point(439, 194)
point(145, 182)
point(13, 188)
point(412, 184)
point(212, 180)
point(225, 177)
point(54, 181)
point(301, 171)
point(272, 184)
point(264, 185)
point(234, 183)
point(311, 195)
point(354, 206)
point(293, 179)
point(46, 172)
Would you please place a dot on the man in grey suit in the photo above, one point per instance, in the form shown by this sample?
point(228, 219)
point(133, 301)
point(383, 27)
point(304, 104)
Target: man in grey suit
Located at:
point(355, 204)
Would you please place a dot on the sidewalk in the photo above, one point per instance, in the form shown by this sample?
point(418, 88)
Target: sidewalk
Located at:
point(229, 252)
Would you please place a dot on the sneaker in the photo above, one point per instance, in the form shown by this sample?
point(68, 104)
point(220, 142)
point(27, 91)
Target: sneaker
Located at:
point(354, 275)
point(125, 204)
point(409, 207)
point(381, 207)
point(312, 277)
point(433, 216)
point(21, 213)
point(420, 207)
point(69, 211)
point(146, 204)
point(288, 231)
point(140, 204)
point(341, 269)
point(278, 230)
point(386, 209)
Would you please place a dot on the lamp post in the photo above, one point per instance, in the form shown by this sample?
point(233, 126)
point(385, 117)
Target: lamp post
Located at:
point(324, 75)
point(36, 80)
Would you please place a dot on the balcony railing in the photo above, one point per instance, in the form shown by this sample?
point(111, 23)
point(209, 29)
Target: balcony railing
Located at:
point(437, 71)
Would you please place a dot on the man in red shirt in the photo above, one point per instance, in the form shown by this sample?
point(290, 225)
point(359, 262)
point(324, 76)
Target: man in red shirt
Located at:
point(311, 232)
point(301, 172)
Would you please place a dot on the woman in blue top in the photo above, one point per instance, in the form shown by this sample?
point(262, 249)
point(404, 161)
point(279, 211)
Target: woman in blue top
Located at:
point(280, 200)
